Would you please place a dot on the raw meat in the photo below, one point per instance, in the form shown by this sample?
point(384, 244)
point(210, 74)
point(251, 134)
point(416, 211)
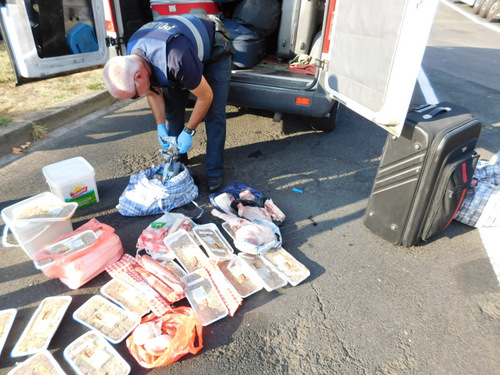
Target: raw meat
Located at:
point(163, 273)
point(182, 223)
point(274, 211)
point(234, 221)
point(255, 234)
point(252, 212)
point(223, 201)
point(247, 195)
point(248, 235)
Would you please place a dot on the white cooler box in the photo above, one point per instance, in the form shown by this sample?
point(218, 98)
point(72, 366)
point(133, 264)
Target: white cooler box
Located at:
point(49, 220)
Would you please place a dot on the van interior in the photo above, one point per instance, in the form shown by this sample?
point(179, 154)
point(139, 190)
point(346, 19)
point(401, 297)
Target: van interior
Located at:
point(281, 47)
point(277, 42)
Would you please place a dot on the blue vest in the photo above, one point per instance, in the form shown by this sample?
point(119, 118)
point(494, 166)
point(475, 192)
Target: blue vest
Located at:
point(153, 39)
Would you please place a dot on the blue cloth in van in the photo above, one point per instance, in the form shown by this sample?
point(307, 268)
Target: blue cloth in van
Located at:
point(81, 38)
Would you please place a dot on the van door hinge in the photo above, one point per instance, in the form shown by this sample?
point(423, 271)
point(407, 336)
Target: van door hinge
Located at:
point(322, 64)
point(112, 42)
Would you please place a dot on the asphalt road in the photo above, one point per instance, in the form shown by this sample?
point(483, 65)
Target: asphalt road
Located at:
point(368, 307)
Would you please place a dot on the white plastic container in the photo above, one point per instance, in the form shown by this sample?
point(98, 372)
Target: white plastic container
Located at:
point(41, 363)
point(187, 252)
point(42, 326)
point(203, 297)
point(33, 233)
point(72, 180)
point(6, 321)
point(213, 241)
point(102, 315)
point(91, 352)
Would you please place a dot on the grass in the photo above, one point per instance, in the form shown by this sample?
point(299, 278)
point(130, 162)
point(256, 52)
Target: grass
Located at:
point(5, 118)
point(19, 101)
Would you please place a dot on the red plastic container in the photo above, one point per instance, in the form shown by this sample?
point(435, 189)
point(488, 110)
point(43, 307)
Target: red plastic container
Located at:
point(172, 8)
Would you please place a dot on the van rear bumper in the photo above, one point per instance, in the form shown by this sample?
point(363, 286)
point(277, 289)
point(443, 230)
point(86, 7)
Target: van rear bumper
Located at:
point(277, 99)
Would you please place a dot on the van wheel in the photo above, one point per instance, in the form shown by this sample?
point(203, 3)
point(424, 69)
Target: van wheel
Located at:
point(327, 124)
point(477, 6)
point(493, 11)
point(484, 8)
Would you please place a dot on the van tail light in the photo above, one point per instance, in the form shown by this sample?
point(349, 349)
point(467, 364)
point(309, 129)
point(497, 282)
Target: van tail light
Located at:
point(302, 101)
point(329, 20)
point(108, 16)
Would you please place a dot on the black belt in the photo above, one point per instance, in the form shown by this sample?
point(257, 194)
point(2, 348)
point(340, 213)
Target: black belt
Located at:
point(222, 46)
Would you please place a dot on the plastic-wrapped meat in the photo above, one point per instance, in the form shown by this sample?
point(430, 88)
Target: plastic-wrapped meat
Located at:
point(252, 212)
point(248, 235)
point(247, 195)
point(274, 211)
point(255, 234)
point(234, 221)
point(152, 240)
point(182, 223)
point(163, 273)
point(223, 201)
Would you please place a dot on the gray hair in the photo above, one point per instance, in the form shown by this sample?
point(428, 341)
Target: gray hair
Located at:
point(118, 75)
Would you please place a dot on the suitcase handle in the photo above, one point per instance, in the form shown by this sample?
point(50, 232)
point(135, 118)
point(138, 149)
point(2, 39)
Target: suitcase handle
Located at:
point(436, 111)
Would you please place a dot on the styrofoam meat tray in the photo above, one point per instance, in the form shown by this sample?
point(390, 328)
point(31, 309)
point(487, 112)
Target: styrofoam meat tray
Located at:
point(271, 279)
point(287, 266)
point(6, 320)
point(187, 252)
point(228, 230)
point(41, 363)
point(203, 297)
point(73, 244)
point(239, 274)
point(125, 296)
point(92, 354)
point(42, 326)
point(213, 241)
point(109, 319)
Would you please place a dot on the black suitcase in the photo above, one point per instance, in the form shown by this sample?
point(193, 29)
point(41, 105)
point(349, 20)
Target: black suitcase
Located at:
point(424, 174)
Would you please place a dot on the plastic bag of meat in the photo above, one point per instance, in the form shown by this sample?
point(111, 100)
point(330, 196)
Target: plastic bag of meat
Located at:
point(242, 200)
point(252, 237)
point(151, 238)
point(161, 340)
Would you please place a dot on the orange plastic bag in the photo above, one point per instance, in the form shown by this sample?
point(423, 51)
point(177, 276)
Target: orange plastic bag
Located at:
point(185, 328)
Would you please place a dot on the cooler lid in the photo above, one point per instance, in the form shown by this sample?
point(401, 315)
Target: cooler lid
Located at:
point(68, 170)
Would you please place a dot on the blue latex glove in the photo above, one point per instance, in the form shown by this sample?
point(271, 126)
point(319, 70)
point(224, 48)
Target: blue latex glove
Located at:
point(184, 142)
point(162, 136)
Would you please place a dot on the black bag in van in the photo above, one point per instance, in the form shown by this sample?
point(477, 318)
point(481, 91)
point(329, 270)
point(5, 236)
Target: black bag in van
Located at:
point(261, 16)
point(249, 47)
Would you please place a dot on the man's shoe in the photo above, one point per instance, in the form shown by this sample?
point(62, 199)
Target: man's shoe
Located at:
point(215, 183)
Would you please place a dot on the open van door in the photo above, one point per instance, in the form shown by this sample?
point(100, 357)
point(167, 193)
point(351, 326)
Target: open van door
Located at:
point(46, 38)
point(375, 49)
point(49, 37)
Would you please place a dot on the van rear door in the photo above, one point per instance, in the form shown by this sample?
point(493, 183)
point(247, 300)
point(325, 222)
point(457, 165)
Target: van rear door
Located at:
point(49, 37)
point(374, 52)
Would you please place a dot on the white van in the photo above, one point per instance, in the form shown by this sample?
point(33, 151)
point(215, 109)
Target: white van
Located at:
point(363, 54)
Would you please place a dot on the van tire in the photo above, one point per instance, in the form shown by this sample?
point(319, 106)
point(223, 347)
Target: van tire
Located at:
point(485, 8)
point(327, 124)
point(492, 11)
point(477, 6)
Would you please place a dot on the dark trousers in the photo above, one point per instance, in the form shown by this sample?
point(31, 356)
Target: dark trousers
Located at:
point(218, 75)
